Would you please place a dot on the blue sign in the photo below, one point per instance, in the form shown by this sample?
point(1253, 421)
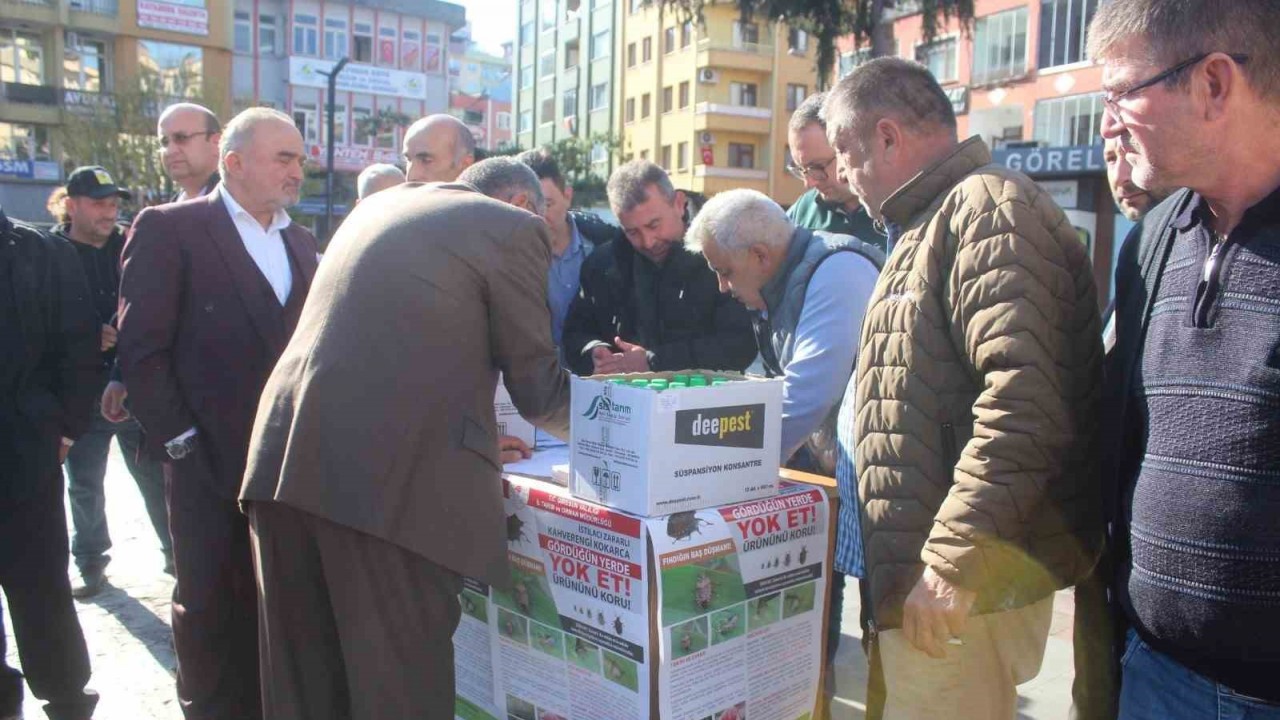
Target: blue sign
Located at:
point(25, 169)
point(1048, 162)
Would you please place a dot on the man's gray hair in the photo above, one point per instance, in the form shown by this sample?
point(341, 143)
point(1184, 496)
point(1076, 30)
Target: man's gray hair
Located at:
point(629, 185)
point(211, 124)
point(1176, 30)
point(502, 178)
point(464, 143)
point(734, 220)
point(809, 113)
point(238, 134)
point(888, 87)
point(369, 178)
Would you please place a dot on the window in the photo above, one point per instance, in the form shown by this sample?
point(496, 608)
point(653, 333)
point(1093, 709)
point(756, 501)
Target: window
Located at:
point(504, 121)
point(339, 124)
point(599, 153)
point(599, 99)
point(571, 55)
point(547, 64)
point(571, 10)
point(940, 57)
point(637, 5)
point(1062, 30)
point(600, 44)
point(472, 117)
point(684, 94)
point(631, 55)
point(1074, 120)
point(386, 137)
point(526, 121)
point(570, 104)
point(244, 32)
point(647, 54)
point(305, 36)
point(307, 120)
point(686, 33)
point(742, 155)
point(526, 33)
point(387, 46)
point(745, 34)
point(668, 99)
point(335, 39)
point(644, 106)
point(669, 40)
point(432, 54)
point(682, 156)
point(266, 34)
point(631, 110)
point(796, 95)
point(526, 76)
point(797, 41)
point(362, 40)
point(548, 114)
point(85, 64)
point(849, 61)
point(21, 57)
point(1000, 46)
point(548, 14)
point(360, 134)
point(24, 142)
point(644, 154)
point(176, 70)
point(665, 157)
point(742, 94)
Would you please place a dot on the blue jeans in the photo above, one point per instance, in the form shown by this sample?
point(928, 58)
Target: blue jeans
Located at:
point(86, 467)
point(1156, 687)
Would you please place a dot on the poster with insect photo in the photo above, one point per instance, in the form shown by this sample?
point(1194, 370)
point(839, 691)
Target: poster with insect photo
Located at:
point(741, 594)
point(473, 655)
point(571, 634)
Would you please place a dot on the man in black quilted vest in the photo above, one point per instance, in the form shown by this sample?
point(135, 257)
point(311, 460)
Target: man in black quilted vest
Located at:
point(1192, 98)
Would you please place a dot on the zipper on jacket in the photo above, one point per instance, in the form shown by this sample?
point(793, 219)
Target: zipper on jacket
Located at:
point(1210, 285)
point(949, 455)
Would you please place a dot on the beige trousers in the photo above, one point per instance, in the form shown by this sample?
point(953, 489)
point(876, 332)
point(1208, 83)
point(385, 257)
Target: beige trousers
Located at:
point(975, 680)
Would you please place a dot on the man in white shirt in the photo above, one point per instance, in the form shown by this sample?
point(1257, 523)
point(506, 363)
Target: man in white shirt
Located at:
point(210, 294)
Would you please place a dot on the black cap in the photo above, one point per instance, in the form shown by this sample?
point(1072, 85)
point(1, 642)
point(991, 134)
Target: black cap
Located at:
point(93, 181)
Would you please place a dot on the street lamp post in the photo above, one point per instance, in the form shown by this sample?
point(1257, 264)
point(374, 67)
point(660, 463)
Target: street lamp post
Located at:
point(332, 75)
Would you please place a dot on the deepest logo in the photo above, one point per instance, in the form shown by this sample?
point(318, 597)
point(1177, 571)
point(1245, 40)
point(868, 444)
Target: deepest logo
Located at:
point(738, 426)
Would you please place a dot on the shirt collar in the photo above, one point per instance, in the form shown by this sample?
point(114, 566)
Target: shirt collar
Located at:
point(575, 240)
point(279, 221)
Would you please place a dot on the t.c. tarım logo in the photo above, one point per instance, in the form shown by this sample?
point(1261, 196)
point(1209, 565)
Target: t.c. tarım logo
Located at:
point(604, 408)
point(604, 480)
point(740, 426)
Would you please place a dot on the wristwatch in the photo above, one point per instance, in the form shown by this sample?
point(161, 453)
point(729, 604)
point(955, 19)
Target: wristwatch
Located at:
point(180, 448)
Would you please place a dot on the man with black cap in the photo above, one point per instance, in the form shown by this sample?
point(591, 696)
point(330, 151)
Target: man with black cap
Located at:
point(92, 204)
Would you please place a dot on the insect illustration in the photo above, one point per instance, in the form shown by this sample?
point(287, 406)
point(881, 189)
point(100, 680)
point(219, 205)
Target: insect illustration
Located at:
point(682, 525)
point(468, 605)
point(600, 618)
point(727, 626)
point(787, 561)
point(545, 640)
point(686, 641)
point(617, 624)
point(521, 595)
point(510, 627)
point(804, 553)
point(515, 529)
point(612, 670)
point(775, 562)
point(580, 647)
point(762, 605)
point(793, 604)
point(703, 591)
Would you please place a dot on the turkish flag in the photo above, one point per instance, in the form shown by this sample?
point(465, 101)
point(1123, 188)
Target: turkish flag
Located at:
point(708, 157)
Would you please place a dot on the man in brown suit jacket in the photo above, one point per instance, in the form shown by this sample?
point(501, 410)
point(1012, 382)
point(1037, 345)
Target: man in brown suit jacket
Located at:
point(210, 293)
point(373, 477)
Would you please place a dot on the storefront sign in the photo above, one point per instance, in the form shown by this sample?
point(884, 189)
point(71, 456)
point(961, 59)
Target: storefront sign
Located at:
point(83, 102)
point(29, 169)
point(1048, 162)
point(307, 72)
point(352, 159)
point(173, 17)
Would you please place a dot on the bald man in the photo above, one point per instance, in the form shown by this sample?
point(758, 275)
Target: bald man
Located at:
point(189, 135)
point(377, 177)
point(438, 148)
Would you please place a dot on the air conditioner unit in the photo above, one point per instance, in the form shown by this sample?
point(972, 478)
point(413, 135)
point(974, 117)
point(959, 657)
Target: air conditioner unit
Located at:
point(705, 137)
point(709, 76)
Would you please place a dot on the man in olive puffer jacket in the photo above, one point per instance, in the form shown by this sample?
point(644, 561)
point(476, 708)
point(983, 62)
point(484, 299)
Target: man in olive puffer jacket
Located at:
point(977, 401)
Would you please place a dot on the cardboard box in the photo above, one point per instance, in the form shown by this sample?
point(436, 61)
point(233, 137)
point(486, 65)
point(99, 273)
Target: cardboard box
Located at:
point(650, 452)
point(509, 420)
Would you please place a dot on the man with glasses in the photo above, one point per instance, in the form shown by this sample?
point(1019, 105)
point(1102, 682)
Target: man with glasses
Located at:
point(829, 205)
point(1191, 412)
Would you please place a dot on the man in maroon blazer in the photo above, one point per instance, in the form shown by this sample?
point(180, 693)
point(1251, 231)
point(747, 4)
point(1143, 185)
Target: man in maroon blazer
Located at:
point(210, 293)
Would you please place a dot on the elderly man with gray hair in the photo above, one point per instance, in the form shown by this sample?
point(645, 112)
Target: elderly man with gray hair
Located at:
point(377, 177)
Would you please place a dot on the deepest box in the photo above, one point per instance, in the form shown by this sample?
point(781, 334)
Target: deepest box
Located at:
point(656, 452)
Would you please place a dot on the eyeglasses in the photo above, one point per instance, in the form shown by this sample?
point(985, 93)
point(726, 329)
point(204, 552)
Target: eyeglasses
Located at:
point(182, 138)
point(814, 171)
point(1112, 99)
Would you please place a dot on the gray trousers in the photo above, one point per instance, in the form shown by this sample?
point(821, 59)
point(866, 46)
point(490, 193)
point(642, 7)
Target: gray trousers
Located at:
point(351, 627)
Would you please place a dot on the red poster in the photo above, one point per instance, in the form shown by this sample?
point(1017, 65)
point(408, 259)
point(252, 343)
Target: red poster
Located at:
point(386, 52)
point(409, 55)
point(708, 158)
point(433, 59)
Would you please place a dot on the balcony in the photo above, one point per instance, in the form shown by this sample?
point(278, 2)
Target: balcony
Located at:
point(732, 118)
point(29, 94)
point(735, 55)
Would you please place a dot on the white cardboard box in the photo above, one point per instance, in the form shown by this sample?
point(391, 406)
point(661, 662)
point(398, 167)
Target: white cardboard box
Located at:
point(509, 420)
point(650, 452)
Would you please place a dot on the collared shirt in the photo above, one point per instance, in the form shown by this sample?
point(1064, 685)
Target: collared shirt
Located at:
point(266, 247)
point(562, 280)
point(811, 212)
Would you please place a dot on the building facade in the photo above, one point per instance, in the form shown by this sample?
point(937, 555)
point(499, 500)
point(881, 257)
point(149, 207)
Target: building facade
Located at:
point(399, 55)
point(59, 58)
point(710, 102)
point(480, 90)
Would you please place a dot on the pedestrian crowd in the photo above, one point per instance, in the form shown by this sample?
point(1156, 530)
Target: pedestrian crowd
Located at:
point(315, 442)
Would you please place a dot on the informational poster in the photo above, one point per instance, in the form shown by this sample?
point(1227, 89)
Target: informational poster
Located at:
point(473, 647)
point(572, 632)
point(741, 595)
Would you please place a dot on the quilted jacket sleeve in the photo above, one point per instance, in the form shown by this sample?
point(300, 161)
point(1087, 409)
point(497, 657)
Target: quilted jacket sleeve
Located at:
point(1023, 314)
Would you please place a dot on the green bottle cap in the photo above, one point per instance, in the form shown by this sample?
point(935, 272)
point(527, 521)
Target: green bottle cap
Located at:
point(658, 384)
point(640, 383)
point(718, 382)
point(675, 385)
point(698, 381)
point(680, 377)
point(617, 381)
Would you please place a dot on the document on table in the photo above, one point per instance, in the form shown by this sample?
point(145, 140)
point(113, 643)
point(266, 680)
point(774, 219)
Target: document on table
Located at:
point(542, 465)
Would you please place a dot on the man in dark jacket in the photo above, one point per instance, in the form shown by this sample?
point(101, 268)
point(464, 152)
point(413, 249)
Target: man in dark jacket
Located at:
point(92, 204)
point(647, 303)
point(48, 375)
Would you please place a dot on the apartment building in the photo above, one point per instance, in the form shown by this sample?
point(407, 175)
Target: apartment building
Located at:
point(398, 52)
point(480, 90)
point(710, 102)
point(61, 57)
point(565, 59)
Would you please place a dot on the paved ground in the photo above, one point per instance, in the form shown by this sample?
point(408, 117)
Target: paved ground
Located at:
point(127, 629)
